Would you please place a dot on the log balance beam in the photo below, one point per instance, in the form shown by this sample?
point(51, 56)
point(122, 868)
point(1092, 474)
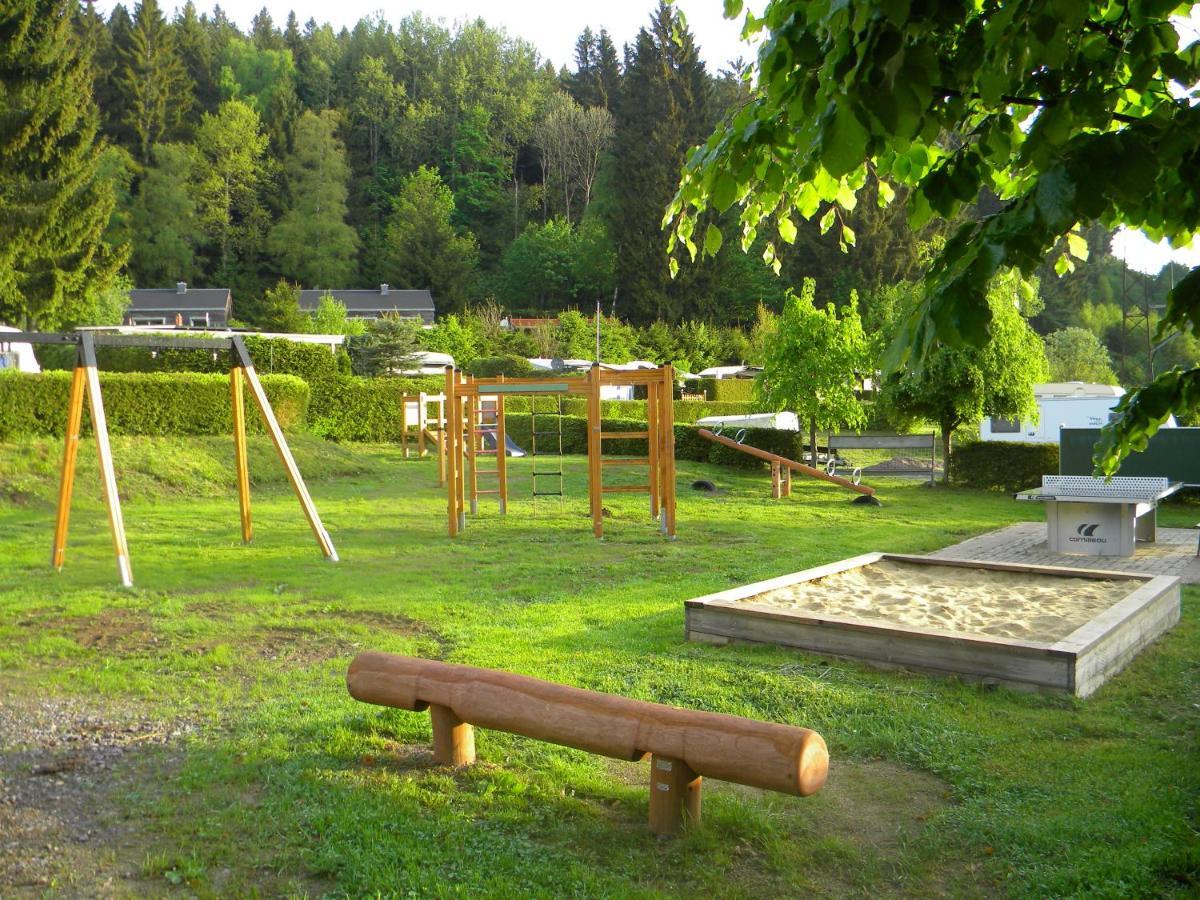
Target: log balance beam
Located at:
point(684, 745)
point(778, 461)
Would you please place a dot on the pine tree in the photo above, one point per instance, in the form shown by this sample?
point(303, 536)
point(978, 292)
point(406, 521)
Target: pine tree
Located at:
point(195, 43)
point(165, 226)
point(53, 207)
point(156, 94)
point(662, 113)
point(582, 84)
point(608, 71)
point(312, 243)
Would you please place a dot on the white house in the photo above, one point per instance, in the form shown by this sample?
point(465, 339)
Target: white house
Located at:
point(1061, 404)
point(17, 356)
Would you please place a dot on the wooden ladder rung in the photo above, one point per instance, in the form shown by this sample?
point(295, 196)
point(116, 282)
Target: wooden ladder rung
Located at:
point(604, 435)
point(625, 489)
point(626, 461)
point(488, 492)
point(487, 472)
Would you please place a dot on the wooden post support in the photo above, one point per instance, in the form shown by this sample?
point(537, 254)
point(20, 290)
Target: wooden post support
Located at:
point(239, 450)
point(666, 420)
point(460, 455)
point(653, 445)
point(453, 739)
point(108, 475)
point(595, 450)
point(404, 425)
point(501, 452)
point(70, 454)
point(674, 794)
point(447, 452)
point(441, 433)
point(785, 474)
point(242, 356)
point(474, 419)
point(776, 490)
point(422, 413)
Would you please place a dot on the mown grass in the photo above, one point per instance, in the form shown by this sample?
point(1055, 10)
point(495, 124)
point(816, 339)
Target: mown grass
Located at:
point(936, 787)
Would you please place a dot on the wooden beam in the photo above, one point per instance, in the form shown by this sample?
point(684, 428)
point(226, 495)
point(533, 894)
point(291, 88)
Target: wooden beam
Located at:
point(237, 399)
point(502, 452)
point(595, 448)
point(108, 475)
point(666, 424)
point(285, 453)
point(70, 454)
point(447, 450)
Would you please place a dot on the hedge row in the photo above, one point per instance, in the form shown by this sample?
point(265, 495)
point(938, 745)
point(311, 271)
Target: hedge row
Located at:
point(145, 403)
point(349, 408)
point(277, 356)
point(1002, 466)
point(724, 390)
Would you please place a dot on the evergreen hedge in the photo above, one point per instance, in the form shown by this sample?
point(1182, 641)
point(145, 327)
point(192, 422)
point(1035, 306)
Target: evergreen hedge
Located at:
point(140, 403)
point(350, 408)
point(271, 356)
point(1002, 466)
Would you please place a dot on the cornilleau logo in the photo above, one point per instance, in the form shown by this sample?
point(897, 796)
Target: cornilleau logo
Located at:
point(1087, 534)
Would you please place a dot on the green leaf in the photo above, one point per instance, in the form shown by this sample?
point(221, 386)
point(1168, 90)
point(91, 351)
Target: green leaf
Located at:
point(843, 142)
point(1077, 245)
point(673, 266)
point(848, 235)
point(827, 219)
point(712, 240)
point(787, 230)
point(724, 191)
point(1063, 265)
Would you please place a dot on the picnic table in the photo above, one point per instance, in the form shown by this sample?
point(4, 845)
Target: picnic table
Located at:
point(1095, 517)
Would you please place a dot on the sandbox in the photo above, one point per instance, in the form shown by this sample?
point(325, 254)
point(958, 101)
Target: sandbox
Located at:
point(1033, 627)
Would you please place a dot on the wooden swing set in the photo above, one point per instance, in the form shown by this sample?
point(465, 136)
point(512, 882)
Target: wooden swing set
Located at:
point(474, 409)
point(85, 379)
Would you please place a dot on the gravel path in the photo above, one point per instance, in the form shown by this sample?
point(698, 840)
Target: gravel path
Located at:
point(63, 763)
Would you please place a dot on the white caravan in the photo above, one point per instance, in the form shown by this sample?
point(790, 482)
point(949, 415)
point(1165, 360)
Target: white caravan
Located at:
point(17, 356)
point(1061, 404)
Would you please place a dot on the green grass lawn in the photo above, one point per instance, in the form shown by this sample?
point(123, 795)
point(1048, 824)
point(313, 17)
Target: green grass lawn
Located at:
point(281, 783)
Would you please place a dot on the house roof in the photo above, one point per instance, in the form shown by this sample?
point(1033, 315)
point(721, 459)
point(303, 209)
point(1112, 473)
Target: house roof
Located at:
point(189, 299)
point(375, 300)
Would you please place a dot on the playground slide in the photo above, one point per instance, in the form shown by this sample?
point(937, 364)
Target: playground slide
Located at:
point(489, 441)
point(784, 461)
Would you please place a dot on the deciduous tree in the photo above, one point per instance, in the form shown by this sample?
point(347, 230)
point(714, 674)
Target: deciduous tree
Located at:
point(1073, 112)
point(813, 364)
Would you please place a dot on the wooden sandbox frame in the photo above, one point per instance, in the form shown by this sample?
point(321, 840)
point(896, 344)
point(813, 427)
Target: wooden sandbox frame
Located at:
point(1079, 663)
point(464, 436)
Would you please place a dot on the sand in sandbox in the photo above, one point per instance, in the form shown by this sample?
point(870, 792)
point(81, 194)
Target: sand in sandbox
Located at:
point(1025, 606)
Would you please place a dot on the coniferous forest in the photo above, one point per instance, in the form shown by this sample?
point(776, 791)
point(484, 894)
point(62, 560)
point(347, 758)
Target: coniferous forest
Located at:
point(157, 146)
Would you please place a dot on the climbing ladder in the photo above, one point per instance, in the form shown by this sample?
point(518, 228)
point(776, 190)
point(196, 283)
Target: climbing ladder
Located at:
point(660, 452)
point(485, 418)
point(547, 459)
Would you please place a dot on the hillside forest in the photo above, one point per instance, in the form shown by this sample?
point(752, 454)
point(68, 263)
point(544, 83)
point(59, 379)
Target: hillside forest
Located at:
point(453, 158)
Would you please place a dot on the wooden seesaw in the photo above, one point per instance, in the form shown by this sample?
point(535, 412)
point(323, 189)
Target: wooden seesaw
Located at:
point(782, 468)
point(684, 745)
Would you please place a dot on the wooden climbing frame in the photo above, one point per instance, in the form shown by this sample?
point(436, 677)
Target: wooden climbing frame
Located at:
point(85, 381)
point(684, 745)
point(466, 400)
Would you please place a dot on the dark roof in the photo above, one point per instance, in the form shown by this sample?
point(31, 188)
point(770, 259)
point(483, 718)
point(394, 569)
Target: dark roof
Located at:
point(372, 300)
point(191, 299)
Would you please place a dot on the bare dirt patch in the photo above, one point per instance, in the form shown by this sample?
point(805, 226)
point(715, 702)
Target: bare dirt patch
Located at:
point(398, 624)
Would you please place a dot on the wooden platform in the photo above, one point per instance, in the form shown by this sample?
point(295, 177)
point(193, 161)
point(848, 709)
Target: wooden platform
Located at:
point(1079, 663)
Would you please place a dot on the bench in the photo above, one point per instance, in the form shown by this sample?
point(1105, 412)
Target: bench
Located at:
point(683, 745)
point(1098, 517)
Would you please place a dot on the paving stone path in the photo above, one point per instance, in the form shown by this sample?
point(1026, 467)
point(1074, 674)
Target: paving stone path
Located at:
point(1172, 553)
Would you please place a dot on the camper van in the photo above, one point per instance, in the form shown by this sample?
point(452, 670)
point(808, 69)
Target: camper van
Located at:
point(1061, 404)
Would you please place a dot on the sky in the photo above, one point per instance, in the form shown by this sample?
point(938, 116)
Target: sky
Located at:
point(554, 25)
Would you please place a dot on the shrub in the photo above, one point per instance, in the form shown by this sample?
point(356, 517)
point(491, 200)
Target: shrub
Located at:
point(138, 403)
point(350, 408)
point(509, 365)
point(1002, 466)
